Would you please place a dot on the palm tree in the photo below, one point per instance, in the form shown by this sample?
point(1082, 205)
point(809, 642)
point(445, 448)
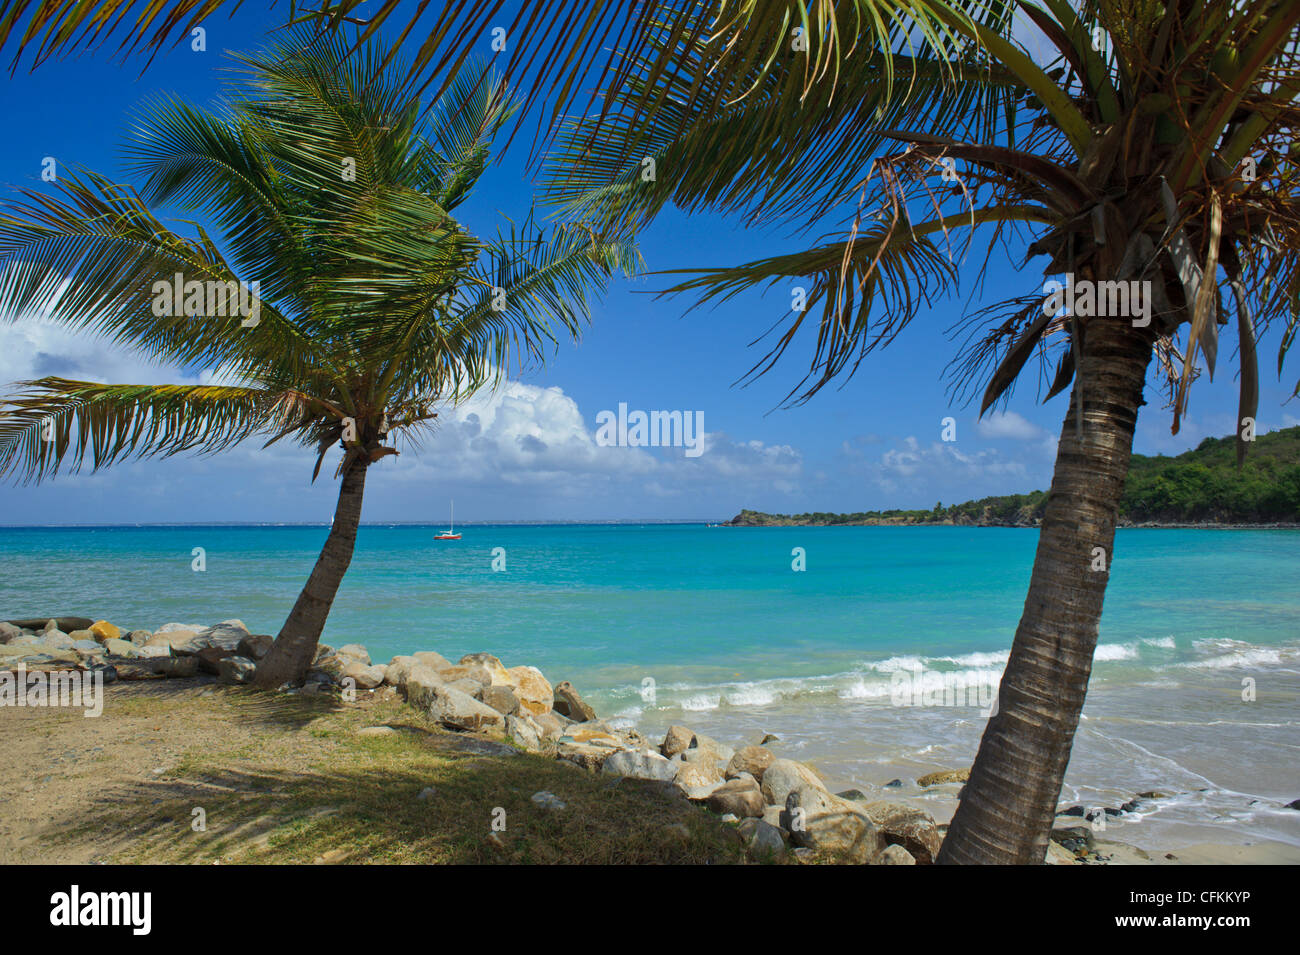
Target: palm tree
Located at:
point(1154, 145)
point(365, 305)
point(1157, 147)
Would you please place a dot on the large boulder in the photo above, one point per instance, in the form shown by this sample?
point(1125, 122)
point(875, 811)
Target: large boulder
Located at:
point(458, 710)
point(431, 659)
point(8, 631)
point(170, 635)
point(701, 745)
point(901, 825)
point(103, 630)
point(355, 651)
point(364, 675)
point(233, 669)
point(894, 854)
point(639, 764)
point(502, 699)
point(740, 797)
point(121, 648)
point(825, 823)
point(570, 704)
point(398, 669)
point(762, 840)
point(255, 646)
point(157, 668)
point(750, 759)
point(58, 640)
point(676, 740)
point(553, 726)
point(421, 683)
point(66, 624)
point(697, 779)
point(587, 755)
point(784, 776)
point(534, 692)
point(524, 731)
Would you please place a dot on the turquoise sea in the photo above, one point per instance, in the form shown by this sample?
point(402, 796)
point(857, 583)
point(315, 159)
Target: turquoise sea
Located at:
point(712, 627)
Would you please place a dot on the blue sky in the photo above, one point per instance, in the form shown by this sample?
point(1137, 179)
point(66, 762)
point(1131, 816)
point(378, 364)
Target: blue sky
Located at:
point(528, 451)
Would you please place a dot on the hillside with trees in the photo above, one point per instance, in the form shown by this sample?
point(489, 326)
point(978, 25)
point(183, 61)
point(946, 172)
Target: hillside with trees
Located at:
point(1201, 486)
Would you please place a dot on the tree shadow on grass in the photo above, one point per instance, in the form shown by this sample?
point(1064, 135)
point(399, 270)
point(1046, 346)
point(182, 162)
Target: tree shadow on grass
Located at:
point(412, 797)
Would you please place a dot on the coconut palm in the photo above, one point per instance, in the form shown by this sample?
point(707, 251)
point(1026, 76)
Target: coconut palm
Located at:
point(1155, 147)
point(1152, 144)
point(334, 191)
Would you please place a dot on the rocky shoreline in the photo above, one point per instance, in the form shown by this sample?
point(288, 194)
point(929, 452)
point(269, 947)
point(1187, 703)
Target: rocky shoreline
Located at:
point(781, 809)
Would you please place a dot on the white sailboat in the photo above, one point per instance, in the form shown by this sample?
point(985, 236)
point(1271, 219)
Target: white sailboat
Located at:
point(449, 535)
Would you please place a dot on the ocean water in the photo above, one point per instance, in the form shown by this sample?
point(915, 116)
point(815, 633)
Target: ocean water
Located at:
point(712, 627)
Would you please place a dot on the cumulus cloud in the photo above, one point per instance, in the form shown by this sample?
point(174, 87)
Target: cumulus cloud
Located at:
point(1008, 425)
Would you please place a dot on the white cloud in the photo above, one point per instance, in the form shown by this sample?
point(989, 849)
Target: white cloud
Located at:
point(1009, 425)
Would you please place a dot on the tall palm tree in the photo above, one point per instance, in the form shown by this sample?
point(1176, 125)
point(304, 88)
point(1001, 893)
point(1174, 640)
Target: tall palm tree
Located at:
point(334, 190)
point(1155, 146)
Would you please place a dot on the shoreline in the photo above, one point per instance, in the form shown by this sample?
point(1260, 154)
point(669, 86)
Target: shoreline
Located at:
point(481, 698)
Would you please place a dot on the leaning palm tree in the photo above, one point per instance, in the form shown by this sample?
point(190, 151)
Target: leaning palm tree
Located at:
point(348, 305)
point(1155, 147)
point(1149, 164)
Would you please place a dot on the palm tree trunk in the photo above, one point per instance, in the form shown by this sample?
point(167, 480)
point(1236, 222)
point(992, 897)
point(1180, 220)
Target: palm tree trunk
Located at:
point(294, 650)
point(1006, 812)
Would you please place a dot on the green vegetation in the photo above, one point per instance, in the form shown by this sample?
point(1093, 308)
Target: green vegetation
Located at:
point(1199, 486)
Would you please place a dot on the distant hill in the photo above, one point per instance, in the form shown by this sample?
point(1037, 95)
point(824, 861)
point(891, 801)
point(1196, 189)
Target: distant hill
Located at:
point(1201, 486)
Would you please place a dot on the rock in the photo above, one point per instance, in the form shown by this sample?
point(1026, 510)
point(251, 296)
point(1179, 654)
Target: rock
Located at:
point(139, 637)
point(1154, 794)
point(589, 757)
point(768, 738)
point(741, 797)
point(171, 634)
point(502, 699)
point(66, 624)
point(473, 672)
point(707, 747)
point(524, 731)
point(103, 630)
point(894, 854)
point(534, 692)
point(894, 784)
point(552, 725)
point(762, 841)
point(147, 651)
point(355, 651)
point(58, 640)
point(458, 710)
point(121, 648)
point(853, 795)
point(365, 676)
point(471, 688)
point(157, 668)
point(947, 776)
point(1057, 854)
point(913, 829)
point(421, 682)
point(569, 703)
point(697, 779)
point(80, 635)
point(430, 659)
point(234, 669)
point(210, 658)
point(1074, 838)
point(91, 647)
point(377, 731)
point(784, 776)
point(398, 669)
point(639, 764)
point(8, 631)
point(753, 760)
point(428, 792)
point(1293, 804)
point(548, 800)
point(826, 823)
point(596, 733)
point(676, 740)
point(255, 646)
